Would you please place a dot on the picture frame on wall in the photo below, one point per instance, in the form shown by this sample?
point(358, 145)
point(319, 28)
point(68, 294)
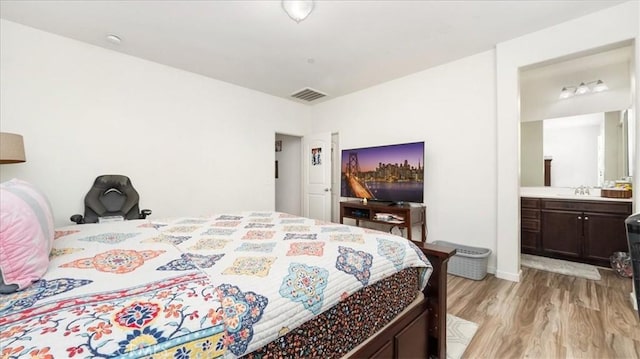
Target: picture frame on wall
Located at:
point(316, 156)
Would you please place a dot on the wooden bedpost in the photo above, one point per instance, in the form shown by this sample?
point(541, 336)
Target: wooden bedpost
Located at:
point(436, 296)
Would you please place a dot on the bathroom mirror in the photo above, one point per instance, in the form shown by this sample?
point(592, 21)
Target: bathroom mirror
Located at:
point(577, 150)
point(582, 139)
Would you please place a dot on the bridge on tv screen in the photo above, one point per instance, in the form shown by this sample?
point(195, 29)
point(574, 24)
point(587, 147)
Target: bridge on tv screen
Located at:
point(353, 175)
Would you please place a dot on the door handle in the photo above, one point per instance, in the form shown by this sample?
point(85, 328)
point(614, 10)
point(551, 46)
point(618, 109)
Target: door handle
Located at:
point(327, 189)
point(579, 217)
point(586, 218)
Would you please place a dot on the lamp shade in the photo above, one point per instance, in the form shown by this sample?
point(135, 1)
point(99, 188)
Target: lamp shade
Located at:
point(11, 148)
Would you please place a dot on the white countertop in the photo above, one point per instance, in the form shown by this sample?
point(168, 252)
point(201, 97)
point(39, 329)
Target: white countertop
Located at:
point(566, 193)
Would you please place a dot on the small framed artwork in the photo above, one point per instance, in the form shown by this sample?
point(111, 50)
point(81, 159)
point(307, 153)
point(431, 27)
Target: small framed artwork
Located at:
point(278, 146)
point(316, 156)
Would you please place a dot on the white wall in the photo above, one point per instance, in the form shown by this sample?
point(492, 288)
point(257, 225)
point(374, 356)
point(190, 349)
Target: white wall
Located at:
point(609, 26)
point(190, 144)
point(289, 181)
point(452, 109)
point(540, 95)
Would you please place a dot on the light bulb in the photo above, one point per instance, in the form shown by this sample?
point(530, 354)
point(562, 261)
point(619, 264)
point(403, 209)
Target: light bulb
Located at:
point(582, 89)
point(566, 93)
point(600, 86)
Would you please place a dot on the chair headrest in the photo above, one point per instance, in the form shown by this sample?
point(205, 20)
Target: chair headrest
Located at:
point(112, 181)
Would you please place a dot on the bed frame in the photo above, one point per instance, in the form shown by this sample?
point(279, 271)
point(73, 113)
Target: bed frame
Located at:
point(421, 331)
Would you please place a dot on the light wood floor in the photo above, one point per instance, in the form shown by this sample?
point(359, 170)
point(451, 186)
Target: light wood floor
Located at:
point(547, 315)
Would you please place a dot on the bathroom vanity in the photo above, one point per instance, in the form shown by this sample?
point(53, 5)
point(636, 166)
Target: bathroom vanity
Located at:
point(585, 229)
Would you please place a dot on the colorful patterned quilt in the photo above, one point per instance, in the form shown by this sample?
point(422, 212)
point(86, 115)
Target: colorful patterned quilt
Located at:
point(108, 293)
point(179, 288)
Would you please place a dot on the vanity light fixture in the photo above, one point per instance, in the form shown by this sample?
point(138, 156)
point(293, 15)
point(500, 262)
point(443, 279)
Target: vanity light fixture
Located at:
point(583, 88)
point(298, 10)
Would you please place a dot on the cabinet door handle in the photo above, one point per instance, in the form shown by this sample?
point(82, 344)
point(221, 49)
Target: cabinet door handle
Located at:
point(586, 218)
point(579, 217)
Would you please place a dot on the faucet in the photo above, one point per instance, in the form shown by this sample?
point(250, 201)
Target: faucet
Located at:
point(582, 190)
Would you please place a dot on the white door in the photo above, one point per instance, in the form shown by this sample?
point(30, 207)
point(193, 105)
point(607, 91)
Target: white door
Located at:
point(316, 159)
point(335, 178)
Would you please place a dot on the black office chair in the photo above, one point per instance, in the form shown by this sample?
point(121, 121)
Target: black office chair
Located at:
point(111, 196)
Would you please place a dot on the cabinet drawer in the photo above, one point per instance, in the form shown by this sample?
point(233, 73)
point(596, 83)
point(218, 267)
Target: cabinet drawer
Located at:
point(529, 213)
point(587, 206)
point(529, 202)
point(530, 242)
point(530, 225)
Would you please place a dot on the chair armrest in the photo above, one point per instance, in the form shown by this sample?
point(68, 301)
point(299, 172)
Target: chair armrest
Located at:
point(77, 218)
point(144, 213)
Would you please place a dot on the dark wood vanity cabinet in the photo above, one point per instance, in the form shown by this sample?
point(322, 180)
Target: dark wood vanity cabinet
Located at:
point(530, 226)
point(562, 233)
point(587, 231)
point(604, 233)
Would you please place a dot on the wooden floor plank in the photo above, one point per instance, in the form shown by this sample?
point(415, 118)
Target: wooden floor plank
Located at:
point(549, 328)
point(624, 347)
point(586, 337)
point(548, 315)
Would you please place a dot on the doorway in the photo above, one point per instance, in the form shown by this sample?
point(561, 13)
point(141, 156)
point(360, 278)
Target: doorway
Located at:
point(583, 134)
point(288, 174)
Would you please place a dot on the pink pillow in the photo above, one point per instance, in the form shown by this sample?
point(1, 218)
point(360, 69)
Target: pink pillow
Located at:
point(26, 235)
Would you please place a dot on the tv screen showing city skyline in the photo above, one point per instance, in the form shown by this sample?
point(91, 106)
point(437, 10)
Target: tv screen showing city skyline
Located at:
point(387, 173)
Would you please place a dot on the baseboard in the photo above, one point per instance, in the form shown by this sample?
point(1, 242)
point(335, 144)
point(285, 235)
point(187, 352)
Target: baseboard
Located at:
point(514, 277)
point(491, 269)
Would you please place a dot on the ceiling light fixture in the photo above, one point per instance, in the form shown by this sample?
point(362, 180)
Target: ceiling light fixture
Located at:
point(114, 39)
point(298, 10)
point(583, 88)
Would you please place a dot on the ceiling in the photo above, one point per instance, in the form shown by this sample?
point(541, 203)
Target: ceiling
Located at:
point(342, 47)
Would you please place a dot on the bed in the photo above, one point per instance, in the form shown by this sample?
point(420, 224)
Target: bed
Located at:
point(252, 284)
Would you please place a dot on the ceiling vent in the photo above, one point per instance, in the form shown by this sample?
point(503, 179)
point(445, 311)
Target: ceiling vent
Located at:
point(308, 94)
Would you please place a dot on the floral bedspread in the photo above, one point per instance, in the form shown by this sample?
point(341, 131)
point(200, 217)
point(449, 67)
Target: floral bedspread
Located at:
point(275, 271)
point(112, 290)
point(223, 285)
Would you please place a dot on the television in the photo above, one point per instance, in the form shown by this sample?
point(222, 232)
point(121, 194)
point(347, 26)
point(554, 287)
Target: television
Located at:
point(392, 173)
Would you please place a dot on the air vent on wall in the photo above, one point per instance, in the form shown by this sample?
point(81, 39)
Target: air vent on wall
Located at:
point(308, 94)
